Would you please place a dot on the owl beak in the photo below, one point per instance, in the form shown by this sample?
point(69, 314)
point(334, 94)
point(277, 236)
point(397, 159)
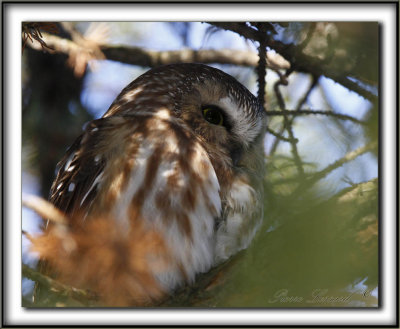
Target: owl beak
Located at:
point(236, 155)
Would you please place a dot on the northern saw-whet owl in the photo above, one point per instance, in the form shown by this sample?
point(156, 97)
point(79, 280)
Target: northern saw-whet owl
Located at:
point(166, 185)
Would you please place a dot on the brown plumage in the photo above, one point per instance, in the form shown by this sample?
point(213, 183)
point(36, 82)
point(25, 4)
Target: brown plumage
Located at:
point(96, 257)
point(163, 187)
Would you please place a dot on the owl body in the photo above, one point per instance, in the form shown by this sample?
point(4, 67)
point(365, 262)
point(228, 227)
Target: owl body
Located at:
point(178, 158)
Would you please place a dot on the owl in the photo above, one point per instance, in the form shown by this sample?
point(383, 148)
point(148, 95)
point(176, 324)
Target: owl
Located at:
point(166, 185)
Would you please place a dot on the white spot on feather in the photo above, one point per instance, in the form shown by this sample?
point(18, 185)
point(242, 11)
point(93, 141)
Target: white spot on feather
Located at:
point(70, 168)
point(163, 114)
point(94, 184)
point(69, 160)
point(71, 187)
point(131, 95)
point(171, 144)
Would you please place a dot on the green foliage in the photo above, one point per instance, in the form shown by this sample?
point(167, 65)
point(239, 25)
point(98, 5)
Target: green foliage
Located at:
point(310, 248)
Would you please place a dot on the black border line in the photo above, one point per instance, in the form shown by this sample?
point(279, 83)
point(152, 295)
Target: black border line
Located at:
point(397, 164)
point(2, 162)
point(205, 2)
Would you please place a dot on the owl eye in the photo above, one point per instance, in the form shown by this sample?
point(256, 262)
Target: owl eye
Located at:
point(213, 114)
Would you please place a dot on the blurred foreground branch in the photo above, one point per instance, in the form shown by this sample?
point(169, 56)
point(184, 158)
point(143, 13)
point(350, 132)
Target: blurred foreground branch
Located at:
point(44, 209)
point(83, 296)
point(359, 190)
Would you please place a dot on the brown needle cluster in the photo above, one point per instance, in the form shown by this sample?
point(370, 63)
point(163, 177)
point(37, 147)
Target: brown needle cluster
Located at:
point(32, 31)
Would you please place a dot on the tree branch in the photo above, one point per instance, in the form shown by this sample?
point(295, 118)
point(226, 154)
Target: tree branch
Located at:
point(347, 158)
point(279, 136)
point(298, 107)
point(151, 58)
point(311, 179)
point(262, 64)
point(288, 126)
point(315, 112)
point(298, 60)
point(81, 295)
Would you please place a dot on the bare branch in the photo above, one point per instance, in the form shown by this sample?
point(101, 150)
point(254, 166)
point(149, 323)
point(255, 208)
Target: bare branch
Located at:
point(279, 136)
point(298, 60)
point(315, 112)
point(151, 58)
point(347, 158)
point(304, 99)
point(261, 67)
point(312, 178)
point(298, 107)
point(288, 126)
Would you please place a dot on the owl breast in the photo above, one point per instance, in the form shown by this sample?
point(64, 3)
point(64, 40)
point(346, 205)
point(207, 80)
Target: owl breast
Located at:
point(170, 184)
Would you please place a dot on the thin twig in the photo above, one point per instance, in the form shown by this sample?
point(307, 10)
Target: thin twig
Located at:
point(274, 133)
point(81, 295)
point(308, 37)
point(315, 112)
point(311, 179)
point(338, 163)
point(288, 126)
point(304, 99)
point(298, 107)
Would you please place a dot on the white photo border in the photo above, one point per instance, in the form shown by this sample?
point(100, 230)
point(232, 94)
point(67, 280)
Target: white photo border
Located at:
point(14, 13)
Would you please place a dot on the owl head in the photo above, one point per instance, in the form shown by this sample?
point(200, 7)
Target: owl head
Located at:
point(223, 114)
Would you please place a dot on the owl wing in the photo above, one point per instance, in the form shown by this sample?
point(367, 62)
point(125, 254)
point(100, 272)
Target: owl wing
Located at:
point(150, 168)
point(75, 185)
point(77, 171)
